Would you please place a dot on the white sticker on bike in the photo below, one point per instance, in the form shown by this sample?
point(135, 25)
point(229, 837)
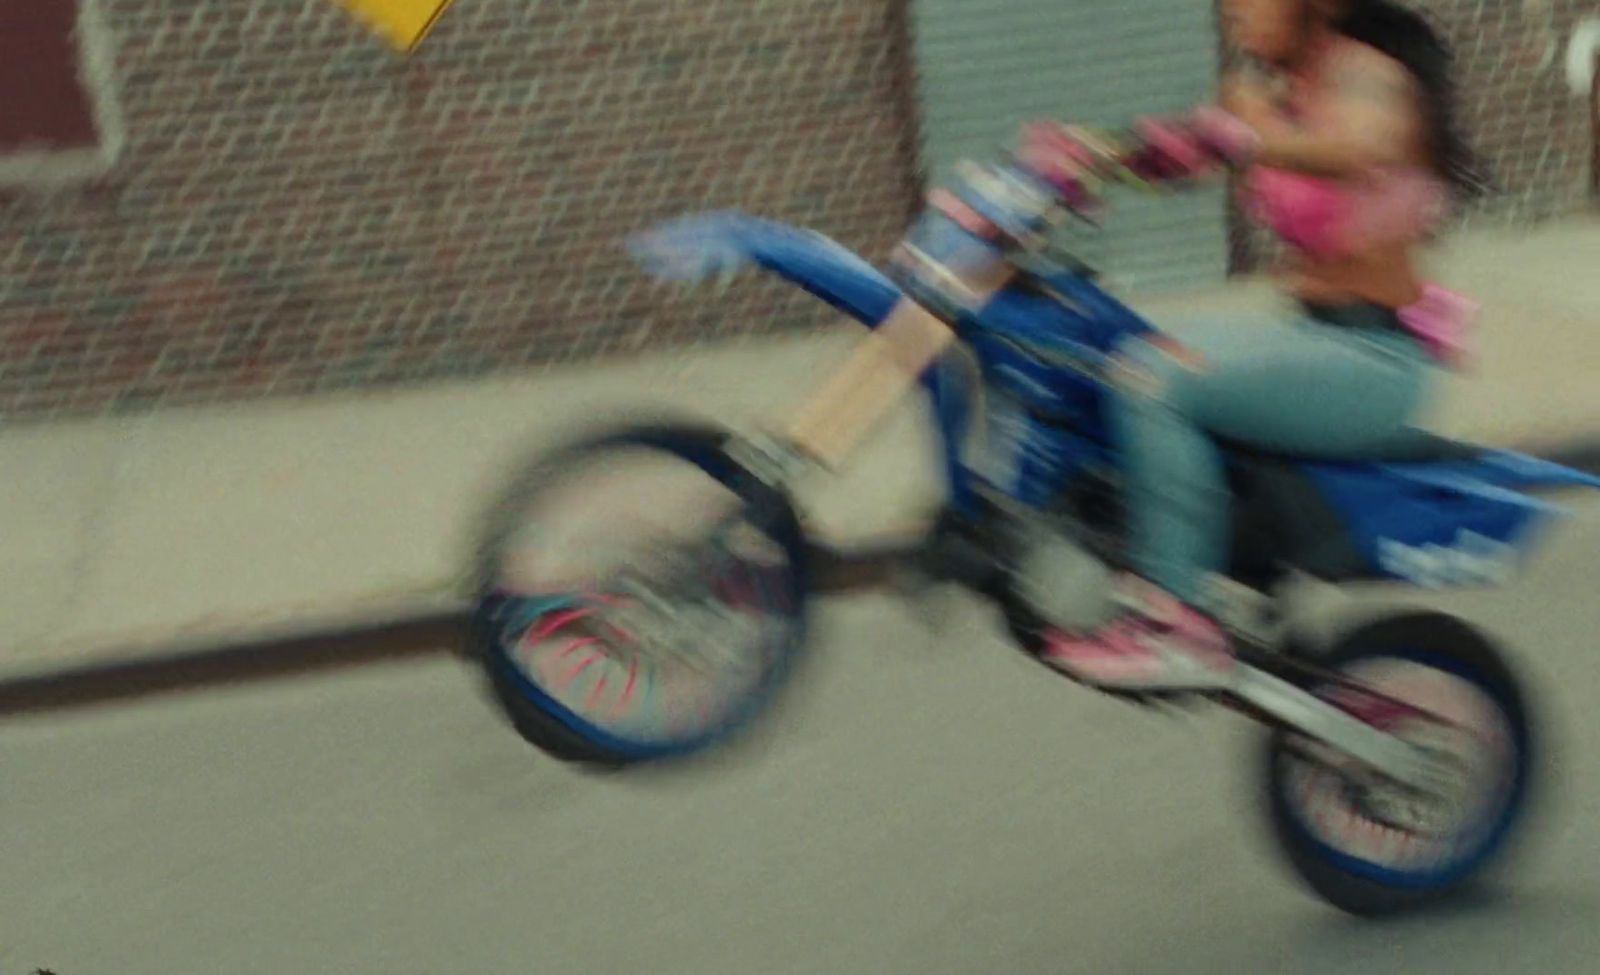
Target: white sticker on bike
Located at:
point(1471, 559)
point(1006, 437)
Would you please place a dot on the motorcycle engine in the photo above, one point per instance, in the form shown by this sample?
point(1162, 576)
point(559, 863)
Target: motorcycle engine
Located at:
point(1067, 586)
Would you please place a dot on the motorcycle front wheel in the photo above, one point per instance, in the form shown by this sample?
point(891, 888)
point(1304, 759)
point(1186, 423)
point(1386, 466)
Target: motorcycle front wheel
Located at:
point(640, 596)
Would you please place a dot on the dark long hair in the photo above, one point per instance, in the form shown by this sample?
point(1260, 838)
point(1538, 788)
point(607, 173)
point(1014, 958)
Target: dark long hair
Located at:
point(1408, 38)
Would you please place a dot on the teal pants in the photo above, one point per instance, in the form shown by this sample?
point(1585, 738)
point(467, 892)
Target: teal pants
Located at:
point(1300, 385)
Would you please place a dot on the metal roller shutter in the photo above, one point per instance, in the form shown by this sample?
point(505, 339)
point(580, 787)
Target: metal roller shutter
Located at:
point(985, 66)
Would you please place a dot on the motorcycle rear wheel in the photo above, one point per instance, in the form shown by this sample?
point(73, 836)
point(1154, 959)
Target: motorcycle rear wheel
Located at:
point(1374, 850)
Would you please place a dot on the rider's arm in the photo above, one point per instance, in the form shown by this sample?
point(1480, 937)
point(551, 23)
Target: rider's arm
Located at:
point(1248, 96)
point(1367, 118)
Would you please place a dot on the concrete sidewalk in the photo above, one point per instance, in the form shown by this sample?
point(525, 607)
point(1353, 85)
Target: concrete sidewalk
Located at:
point(131, 537)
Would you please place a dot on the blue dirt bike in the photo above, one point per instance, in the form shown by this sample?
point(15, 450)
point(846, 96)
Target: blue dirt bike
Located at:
point(1400, 753)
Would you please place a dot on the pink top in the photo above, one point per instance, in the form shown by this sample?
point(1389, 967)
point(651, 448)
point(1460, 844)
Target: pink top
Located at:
point(1328, 219)
point(1331, 220)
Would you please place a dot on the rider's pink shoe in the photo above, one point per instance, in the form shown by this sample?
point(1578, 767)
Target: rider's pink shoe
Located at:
point(1160, 645)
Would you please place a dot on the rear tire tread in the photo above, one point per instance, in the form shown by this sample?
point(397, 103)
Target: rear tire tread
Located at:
point(1437, 635)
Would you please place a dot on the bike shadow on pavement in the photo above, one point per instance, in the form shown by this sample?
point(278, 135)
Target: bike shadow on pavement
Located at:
point(1473, 931)
point(276, 659)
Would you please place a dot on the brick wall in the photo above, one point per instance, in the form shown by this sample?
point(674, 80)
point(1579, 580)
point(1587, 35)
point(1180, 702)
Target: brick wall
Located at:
point(1534, 135)
point(296, 210)
point(1532, 129)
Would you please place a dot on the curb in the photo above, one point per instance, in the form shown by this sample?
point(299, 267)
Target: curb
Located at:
point(430, 631)
point(439, 629)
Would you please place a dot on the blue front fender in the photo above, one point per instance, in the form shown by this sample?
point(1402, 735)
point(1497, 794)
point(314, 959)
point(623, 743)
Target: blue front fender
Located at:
point(708, 244)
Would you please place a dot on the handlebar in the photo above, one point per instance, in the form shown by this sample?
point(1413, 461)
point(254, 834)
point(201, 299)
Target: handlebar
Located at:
point(972, 230)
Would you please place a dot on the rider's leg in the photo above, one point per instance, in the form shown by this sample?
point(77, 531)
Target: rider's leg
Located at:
point(1300, 386)
point(1303, 387)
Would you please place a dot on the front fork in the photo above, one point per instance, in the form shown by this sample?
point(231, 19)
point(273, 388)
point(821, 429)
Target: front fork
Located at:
point(883, 369)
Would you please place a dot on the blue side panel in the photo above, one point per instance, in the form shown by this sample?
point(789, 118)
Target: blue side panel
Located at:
point(704, 245)
point(952, 413)
point(1043, 351)
point(1050, 460)
point(1043, 354)
point(1513, 471)
point(1395, 510)
point(1106, 320)
point(1084, 322)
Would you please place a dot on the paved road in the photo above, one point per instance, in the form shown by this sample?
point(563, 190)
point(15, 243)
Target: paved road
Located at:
point(928, 803)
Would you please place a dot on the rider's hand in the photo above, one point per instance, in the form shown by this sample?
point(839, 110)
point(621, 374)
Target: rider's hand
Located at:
point(1226, 135)
point(1170, 151)
point(1067, 157)
point(1249, 100)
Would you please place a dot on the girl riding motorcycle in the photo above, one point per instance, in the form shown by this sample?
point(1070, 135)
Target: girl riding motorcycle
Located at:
point(1344, 132)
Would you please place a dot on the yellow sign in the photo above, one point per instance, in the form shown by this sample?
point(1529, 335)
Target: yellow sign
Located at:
point(402, 23)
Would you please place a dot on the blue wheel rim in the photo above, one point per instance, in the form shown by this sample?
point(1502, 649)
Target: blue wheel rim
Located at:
point(504, 635)
point(503, 617)
point(1456, 868)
